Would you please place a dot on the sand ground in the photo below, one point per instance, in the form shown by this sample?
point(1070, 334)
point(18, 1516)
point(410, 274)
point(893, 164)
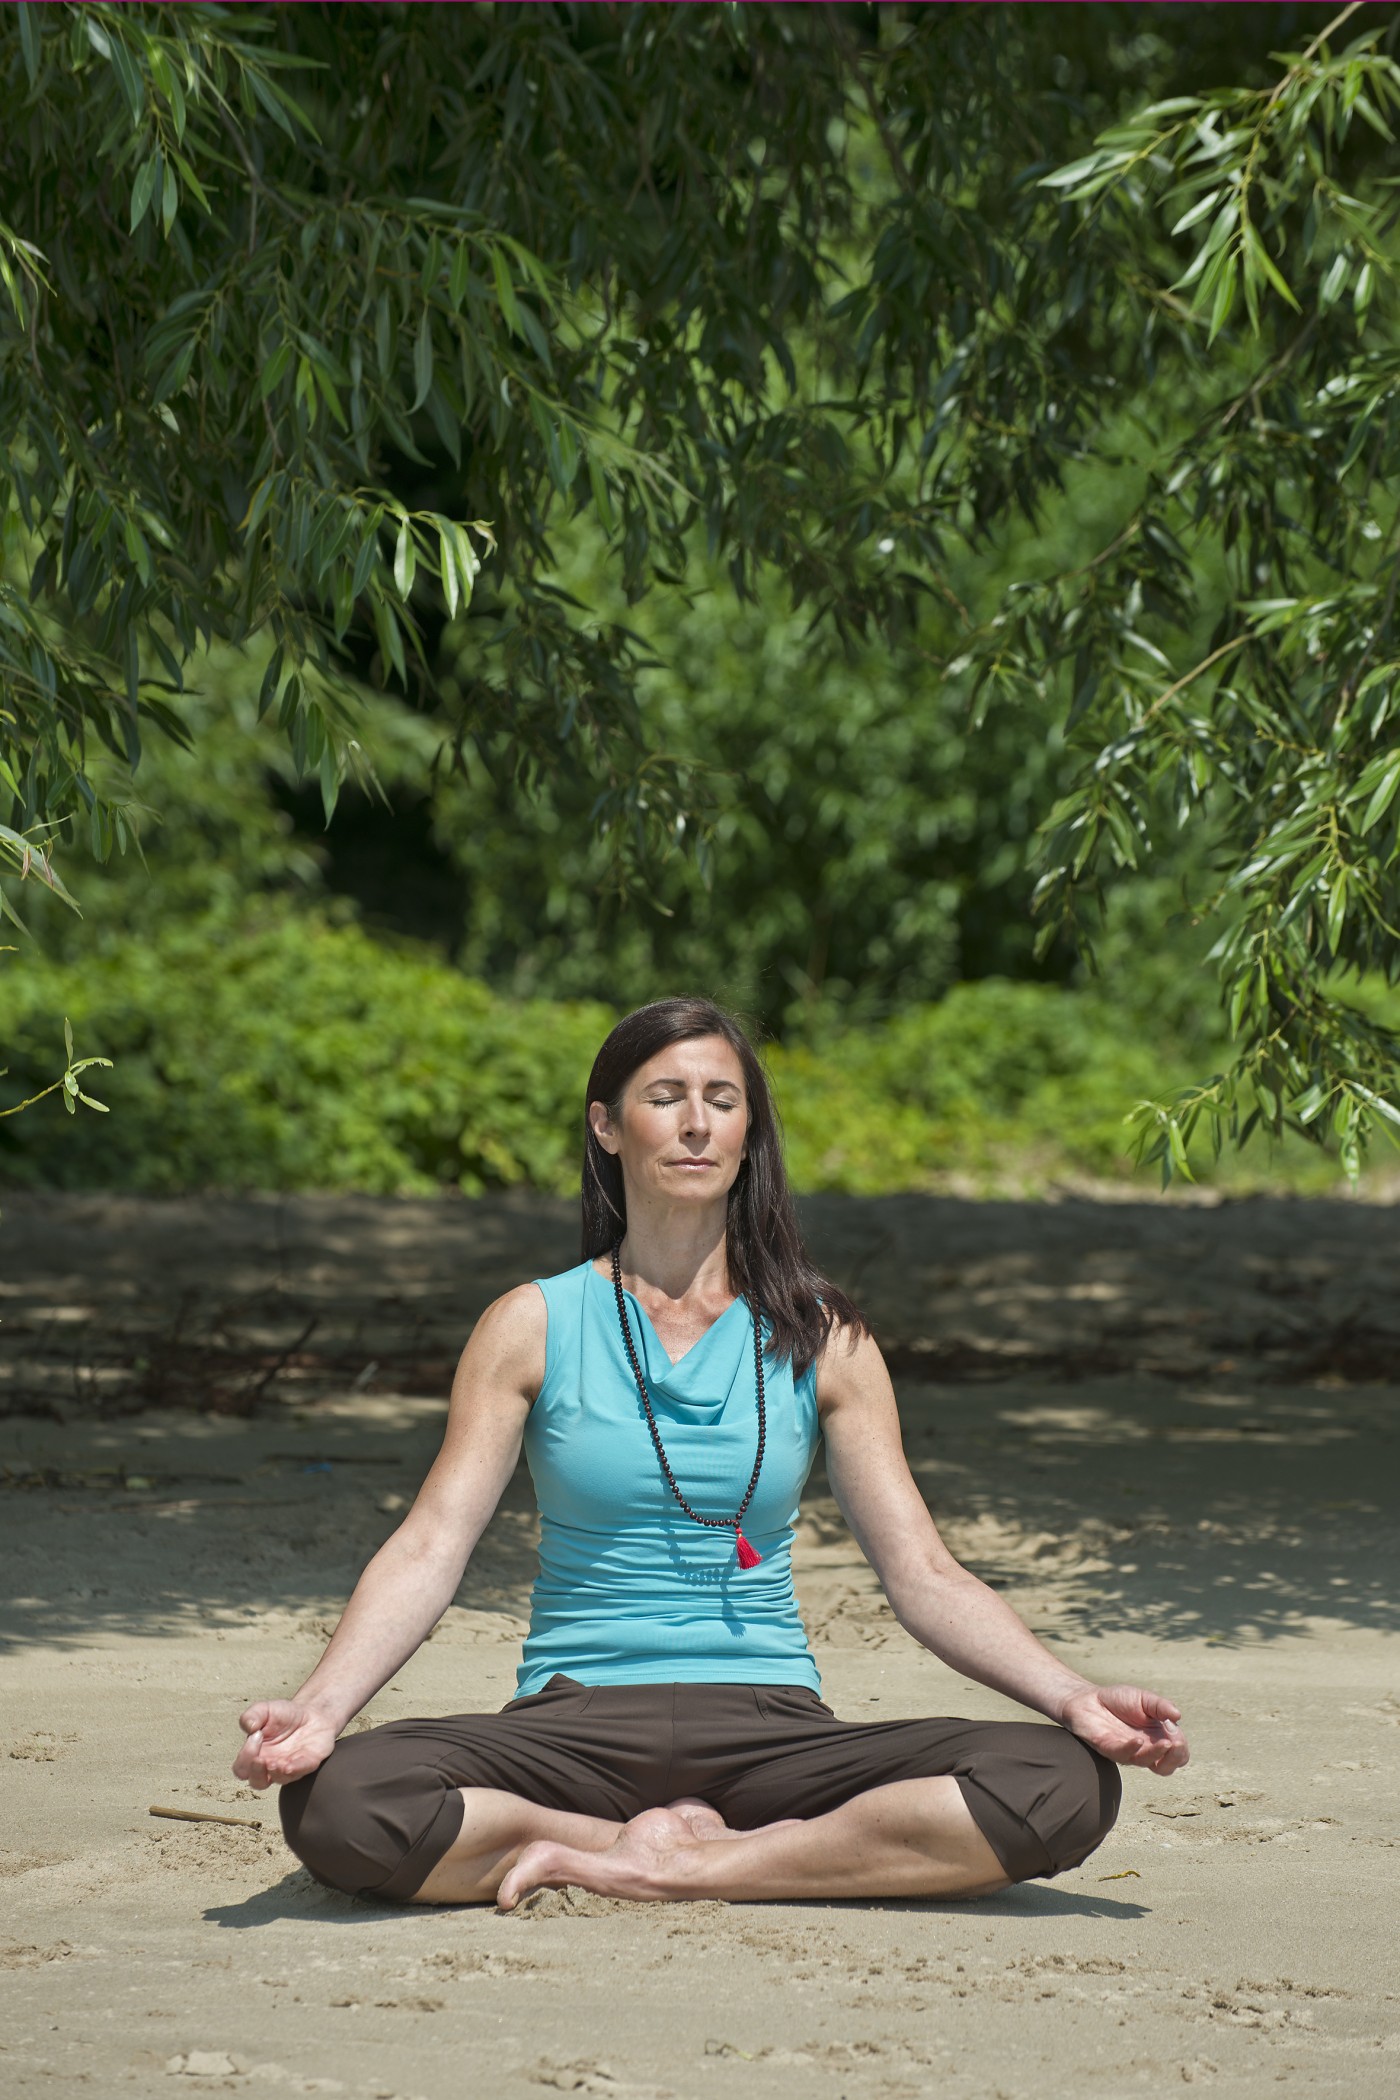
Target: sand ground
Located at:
point(1163, 1431)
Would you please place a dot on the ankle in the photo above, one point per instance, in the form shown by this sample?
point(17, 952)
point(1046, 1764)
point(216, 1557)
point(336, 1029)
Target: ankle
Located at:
point(682, 1872)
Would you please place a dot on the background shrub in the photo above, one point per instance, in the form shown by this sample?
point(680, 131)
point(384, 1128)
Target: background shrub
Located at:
point(286, 1050)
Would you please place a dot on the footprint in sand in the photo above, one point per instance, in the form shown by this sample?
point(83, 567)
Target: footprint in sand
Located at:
point(586, 2076)
point(201, 2065)
point(14, 1954)
point(12, 1863)
point(42, 1747)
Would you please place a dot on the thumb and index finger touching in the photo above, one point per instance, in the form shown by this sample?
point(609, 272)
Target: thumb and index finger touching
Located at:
point(271, 1717)
point(265, 1724)
point(1139, 1708)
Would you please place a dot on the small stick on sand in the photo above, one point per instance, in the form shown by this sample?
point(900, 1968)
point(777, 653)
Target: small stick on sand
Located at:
point(199, 1815)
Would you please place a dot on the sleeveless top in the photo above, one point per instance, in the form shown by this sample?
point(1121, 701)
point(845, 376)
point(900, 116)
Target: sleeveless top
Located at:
point(630, 1590)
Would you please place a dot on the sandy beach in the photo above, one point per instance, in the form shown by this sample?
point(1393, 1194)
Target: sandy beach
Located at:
point(1165, 1430)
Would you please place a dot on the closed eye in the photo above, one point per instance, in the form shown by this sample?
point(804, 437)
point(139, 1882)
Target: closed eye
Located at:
point(678, 1100)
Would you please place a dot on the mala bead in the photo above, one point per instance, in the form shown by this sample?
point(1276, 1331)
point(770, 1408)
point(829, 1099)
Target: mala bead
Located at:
point(747, 1555)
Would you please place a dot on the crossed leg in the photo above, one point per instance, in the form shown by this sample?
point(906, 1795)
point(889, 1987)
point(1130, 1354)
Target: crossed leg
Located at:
point(914, 1837)
point(497, 1829)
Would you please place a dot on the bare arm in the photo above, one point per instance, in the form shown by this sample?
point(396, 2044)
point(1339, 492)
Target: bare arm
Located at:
point(412, 1579)
point(946, 1609)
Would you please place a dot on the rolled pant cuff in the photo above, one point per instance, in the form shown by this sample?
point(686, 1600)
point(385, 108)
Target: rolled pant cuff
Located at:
point(426, 1851)
point(1020, 1849)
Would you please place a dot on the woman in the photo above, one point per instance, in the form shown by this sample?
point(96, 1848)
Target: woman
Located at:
point(667, 1697)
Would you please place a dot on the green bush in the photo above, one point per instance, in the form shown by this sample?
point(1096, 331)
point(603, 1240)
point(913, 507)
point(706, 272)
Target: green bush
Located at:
point(294, 1052)
point(996, 1077)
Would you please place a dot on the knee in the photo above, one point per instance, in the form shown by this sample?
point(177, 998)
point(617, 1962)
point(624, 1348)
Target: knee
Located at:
point(329, 1823)
point(1082, 1802)
point(312, 1815)
point(1044, 1799)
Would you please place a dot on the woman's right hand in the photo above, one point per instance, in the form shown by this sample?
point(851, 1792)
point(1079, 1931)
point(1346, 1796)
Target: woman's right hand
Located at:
point(412, 1579)
point(286, 1740)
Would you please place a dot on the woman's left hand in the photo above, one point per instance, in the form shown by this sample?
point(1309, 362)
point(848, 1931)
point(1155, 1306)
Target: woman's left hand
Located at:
point(1130, 1726)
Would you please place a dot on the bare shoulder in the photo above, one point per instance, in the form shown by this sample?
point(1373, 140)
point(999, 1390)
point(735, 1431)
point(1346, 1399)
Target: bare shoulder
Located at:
point(499, 1374)
point(851, 1369)
point(506, 1348)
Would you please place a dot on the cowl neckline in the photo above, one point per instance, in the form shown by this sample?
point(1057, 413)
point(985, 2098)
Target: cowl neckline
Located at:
point(708, 1368)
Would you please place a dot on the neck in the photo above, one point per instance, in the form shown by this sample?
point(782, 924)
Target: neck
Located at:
point(680, 1253)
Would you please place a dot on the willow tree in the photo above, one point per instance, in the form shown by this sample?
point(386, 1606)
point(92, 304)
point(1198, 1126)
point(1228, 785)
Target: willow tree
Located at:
point(317, 325)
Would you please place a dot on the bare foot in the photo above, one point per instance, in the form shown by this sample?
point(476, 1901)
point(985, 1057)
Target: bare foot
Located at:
point(707, 1822)
point(700, 1818)
point(642, 1863)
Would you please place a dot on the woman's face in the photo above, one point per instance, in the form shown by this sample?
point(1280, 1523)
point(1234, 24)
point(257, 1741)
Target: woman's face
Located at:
point(682, 1123)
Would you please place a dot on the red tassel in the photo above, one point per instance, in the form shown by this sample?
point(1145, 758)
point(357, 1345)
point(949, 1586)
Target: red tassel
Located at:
point(747, 1557)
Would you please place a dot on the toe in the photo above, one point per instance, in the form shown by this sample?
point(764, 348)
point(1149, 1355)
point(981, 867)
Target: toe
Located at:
point(531, 1871)
point(700, 1819)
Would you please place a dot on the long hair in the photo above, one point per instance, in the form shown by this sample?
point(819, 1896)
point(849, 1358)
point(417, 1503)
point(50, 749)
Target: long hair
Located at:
point(768, 1263)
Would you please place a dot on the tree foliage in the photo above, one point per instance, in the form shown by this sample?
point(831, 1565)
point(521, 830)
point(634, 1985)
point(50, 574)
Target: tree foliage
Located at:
point(1273, 514)
point(320, 324)
point(293, 1052)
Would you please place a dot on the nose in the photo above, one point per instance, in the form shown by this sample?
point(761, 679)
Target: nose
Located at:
point(696, 1120)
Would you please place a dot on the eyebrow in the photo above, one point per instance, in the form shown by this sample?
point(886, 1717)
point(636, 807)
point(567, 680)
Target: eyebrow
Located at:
point(732, 1084)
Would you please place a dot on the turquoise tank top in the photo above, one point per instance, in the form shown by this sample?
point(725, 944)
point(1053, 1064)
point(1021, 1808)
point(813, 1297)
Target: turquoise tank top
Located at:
point(630, 1591)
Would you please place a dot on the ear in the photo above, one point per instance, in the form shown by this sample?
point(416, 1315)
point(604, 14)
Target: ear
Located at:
point(600, 1123)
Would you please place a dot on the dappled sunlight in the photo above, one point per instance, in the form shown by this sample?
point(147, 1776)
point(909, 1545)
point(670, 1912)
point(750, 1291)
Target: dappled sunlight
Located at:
point(1094, 1399)
point(1147, 1508)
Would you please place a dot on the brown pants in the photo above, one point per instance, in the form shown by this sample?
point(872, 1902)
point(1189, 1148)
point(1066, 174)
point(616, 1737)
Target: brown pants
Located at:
point(384, 1808)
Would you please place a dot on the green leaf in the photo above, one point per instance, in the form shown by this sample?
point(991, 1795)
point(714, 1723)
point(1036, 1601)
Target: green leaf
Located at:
point(602, 496)
point(405, 561)
point(468, 561)
point(143, 189)
point(423, 358)
point(390, 639)
point(1261, 255)
point(29, 35)
point(505, 292)
point(1197, 211)
point(447, 562)
point(1382, 798)
point(128, 73)
point(367, 555)
point(1078, 171)
point(1177, 1144)
point(276, 368)
point(1375, 1101)
point(1334, 282)
point(1224, 301)
point(192, 182)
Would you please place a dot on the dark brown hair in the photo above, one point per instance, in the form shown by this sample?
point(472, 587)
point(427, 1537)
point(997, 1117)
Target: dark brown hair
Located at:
point(768, 1263)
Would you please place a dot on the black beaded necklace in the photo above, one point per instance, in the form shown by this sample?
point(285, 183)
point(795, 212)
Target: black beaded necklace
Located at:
point(748, 1558)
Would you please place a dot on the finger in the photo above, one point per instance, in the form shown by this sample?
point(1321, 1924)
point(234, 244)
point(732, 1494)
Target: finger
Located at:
point(1171, 1760)
point(253, 1718)
point(252, 1771)
point(249, 1748)
point(1150, 1754)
